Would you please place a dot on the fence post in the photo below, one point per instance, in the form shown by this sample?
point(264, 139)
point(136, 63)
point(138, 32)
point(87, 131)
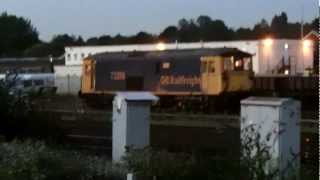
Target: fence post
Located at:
point(68, 81)
point(131, 176)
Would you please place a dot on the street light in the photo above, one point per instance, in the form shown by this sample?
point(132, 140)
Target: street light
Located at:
point(306, 47)
point(306, 44)
point(268, 42)
point(161, 46)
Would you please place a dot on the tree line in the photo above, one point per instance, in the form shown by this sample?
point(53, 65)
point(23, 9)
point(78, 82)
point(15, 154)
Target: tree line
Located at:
point(20, 38)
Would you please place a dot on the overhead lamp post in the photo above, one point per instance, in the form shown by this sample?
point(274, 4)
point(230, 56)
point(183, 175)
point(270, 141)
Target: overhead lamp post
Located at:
point(267, 43)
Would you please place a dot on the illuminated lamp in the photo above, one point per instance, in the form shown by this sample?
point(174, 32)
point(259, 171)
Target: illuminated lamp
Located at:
point(286, 46)
point(268, 42)
point(161, 46)
point(238, 63)
point(306, 43)
point(286, 72)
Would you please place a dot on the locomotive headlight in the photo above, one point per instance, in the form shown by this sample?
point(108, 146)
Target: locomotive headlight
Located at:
point(161, 46)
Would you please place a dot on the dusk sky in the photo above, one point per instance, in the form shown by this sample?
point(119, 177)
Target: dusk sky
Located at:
point(96, 17)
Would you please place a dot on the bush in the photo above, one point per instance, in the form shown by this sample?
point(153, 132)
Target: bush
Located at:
point(20, 119)
point(165, 165)
point(34, 160)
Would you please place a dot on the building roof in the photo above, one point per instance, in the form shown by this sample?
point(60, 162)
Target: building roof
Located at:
point(136, 96)
point(25, 64)
point(311, 34)
point(265, 101)
point(224, 52)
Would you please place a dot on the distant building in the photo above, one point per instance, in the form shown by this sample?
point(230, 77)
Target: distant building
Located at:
point(271, 56)
point(67, 78)
point(314, 37)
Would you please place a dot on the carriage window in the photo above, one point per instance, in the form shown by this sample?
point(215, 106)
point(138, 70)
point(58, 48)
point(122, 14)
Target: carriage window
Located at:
point(27, 83)
point(38, 82)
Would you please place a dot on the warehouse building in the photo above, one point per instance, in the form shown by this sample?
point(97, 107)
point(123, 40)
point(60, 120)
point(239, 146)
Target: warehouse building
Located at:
point(270, 56)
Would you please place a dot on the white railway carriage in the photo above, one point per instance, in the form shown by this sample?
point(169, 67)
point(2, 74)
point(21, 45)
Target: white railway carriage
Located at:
point(31, 83)
point(28, 75)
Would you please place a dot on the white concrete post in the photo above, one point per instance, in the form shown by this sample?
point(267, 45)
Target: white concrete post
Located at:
point(130, 121)
point(131, 176)
point(277, 121)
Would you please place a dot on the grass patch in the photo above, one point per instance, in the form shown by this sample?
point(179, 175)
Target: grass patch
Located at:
point(31, 160)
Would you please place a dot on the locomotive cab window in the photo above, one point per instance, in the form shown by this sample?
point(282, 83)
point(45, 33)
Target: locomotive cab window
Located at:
point(204, 66)
point(211, 67)
point(166, 65)
point(237, 64)
point(208, 67)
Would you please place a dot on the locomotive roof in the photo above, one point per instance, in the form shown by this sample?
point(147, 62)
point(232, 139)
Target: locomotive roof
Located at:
point(224, 52)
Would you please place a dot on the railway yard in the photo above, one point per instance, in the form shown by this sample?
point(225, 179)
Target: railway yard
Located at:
point(202, 98)
point(90, 129)
point(198, 110)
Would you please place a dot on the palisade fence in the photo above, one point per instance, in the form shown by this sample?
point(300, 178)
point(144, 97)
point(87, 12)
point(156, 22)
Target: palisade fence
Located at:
point(69, 84)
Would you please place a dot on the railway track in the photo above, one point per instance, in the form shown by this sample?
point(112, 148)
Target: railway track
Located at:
point(92, 131)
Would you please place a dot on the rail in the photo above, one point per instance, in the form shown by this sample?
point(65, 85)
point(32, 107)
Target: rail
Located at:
point(218, 121)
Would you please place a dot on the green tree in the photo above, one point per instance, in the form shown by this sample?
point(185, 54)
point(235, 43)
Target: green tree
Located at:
point(220, 31)
point(119, 39)
point(104, 40)
point(59, 42)
point(92, 41)
point(169, 34)
point(188, 31)
point(261, 29)
point(142, 38)
point(205, 25)
point(39, 50)
point(279, 25)
point(244, 33)
point(16, 34)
